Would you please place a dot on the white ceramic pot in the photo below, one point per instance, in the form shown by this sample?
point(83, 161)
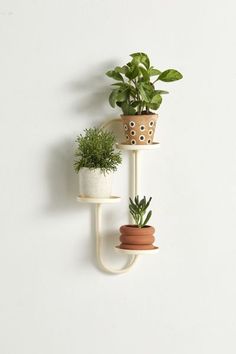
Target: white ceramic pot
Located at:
point(94, 184)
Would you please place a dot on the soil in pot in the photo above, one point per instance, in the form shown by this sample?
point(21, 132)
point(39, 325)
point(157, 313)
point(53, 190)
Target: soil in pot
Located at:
point(139, 129)
point(135, 238)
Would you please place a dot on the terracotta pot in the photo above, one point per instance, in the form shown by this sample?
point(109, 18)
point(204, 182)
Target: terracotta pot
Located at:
point(133, 230)
point(139, 129)
point(135, 238)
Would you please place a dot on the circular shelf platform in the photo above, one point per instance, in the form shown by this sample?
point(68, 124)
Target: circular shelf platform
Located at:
point(137, 252)
point(112, 199)
point(124, 146)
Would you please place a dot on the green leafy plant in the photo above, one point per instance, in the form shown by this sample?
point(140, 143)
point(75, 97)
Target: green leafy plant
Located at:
point(134, 90)
point(96, 150)
point(138, 209)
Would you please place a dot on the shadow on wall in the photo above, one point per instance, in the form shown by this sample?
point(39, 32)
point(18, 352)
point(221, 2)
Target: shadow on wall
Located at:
point(91, 98)
point(92, 91)
point(62, 180)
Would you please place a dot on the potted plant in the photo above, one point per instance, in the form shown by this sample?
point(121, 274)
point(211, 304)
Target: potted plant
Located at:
point(134, 91)
point(96, 160)
point(140, 235)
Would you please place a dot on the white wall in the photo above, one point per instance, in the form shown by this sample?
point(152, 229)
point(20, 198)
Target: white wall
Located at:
point(53, 299)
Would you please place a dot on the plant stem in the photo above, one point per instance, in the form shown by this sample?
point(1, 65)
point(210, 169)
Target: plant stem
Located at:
point(154, 81)
point(141, 220)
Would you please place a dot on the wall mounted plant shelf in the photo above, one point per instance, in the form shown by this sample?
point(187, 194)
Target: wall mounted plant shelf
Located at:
point(135, 150)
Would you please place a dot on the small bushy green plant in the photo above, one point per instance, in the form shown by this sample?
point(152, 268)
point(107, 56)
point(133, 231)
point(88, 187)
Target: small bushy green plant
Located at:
point(95, 149)
point(138, 209)
point(134, 90)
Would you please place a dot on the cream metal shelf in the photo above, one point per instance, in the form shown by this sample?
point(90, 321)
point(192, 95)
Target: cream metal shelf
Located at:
point(112, 199)
point(132, 254)
point(137, 252)
point(124, 146)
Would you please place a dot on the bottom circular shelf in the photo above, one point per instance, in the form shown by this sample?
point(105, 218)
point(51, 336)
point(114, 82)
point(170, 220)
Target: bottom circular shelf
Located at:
point(137, 252)
point(112, 199)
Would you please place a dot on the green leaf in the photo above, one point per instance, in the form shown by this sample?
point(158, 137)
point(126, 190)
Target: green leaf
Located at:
point(154, 72)
point(147, 218)
point(136, 200)
point(153, 106)
point(141, 58)
point(128, 109)
point(170, 75)
point(142, 204)
point(118, 84)
point(122, 95)
point(114, 75)
point(135, 104)
point(146, 90)
point(118, 95)
point(144, 73)
point(143, 92)
point(121, 70)
point(133, 209)
point(156, 99)
point(148, 203)
point(132, 91)
point(132, 72)
point(161, 92)
point(113, 98)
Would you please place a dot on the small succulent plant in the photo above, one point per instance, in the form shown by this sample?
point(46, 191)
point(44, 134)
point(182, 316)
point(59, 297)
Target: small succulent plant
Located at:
point(138, 209)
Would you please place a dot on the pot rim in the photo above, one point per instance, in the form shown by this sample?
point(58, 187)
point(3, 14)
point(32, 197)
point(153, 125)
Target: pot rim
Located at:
point(95, 169)
point(136, 226)
point(139, 115)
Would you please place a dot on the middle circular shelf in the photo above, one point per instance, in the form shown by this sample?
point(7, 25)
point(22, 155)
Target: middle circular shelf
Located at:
point(112, 199)
point(135, 147)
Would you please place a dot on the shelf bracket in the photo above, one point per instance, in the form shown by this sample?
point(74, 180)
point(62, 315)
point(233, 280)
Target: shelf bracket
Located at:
point(132, 259)
point(132, 254)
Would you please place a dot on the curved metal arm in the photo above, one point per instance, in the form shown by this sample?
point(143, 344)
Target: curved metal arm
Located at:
point(99, 247)
point(132, 259)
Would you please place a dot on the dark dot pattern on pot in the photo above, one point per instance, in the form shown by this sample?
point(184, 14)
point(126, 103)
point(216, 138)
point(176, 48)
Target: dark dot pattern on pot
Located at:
point(132, 124)
point(142, 128)
point(139, 132)
point(142, 138)
point(139, 137)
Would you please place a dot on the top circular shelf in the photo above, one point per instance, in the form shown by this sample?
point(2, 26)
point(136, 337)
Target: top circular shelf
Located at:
point(124, 146)
point(98, 200)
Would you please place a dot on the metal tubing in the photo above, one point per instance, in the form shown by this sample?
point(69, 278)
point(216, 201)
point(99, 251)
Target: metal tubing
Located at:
point(100, 261)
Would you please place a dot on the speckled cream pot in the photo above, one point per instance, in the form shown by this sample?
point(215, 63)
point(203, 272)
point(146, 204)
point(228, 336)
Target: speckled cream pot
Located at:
point(139, 129)
point(94, 183)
